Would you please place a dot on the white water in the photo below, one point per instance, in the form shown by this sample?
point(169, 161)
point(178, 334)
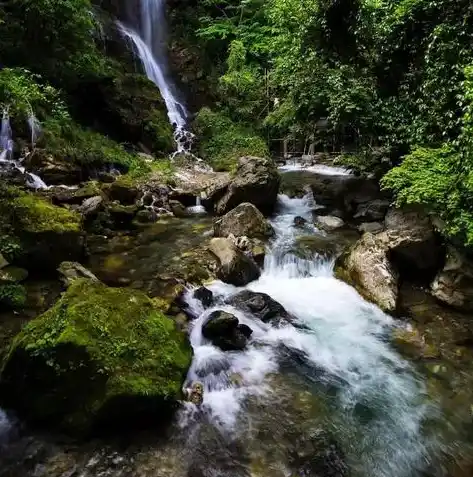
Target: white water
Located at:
point(342, 335)
point(318, 168)
point(197, 209)
point(148, 39)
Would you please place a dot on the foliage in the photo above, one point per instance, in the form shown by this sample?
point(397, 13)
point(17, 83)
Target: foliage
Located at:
point(67, 139)
point(222, 142)
point(12, 296)
point(22, 92)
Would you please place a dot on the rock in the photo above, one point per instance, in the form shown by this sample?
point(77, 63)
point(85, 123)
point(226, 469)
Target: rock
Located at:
point(345, 192)
point(54, 170)
point(124, 191)
point(453, 285)
point(254, 248)
point(234, 266)
point(373, 211)
point(244, 220)
point(204, 295)
point(367, 266)
point(371, 227)
point(256, 180)
point(101, 357)
point(224, 331)
point(196, 394)
point(47, 234)
point(71, 271)
point(13, 274)
point(61, 195)
point(410, 342)
point(178, 209)
point(329, 222)
point(318, 455)
point(122, 215)
point(3, 262)
point(90, 206)
point(414, 247)
point(299, 221)
point(146, 216)
point(259, 305)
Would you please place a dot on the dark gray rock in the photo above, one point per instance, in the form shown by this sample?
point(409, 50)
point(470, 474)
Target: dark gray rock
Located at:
point(224, 331)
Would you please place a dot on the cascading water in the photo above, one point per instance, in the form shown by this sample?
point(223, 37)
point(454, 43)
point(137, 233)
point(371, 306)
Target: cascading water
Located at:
point(340, 349)
point(148, 37)
point(6, 141)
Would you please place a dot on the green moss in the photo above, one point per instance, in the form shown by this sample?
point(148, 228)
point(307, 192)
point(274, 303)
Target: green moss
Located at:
point(12, 296)
point(97, 345)
point(37, 215)
point(222, 142)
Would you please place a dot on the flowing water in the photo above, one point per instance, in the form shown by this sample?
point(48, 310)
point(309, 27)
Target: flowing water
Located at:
point(340, 352)
point(148, 37)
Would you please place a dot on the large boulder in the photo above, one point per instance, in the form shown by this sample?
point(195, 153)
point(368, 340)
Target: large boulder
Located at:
point(367, 266)
point(234, 266)
point(256, 180)
point(260, 305)
point(71, 271)
point(244, 220)
point(329, 222)
point(225, 331)
point(373, 211)
point(453, 285)
point(100, 357)
point(54, 170)
point(408, 249)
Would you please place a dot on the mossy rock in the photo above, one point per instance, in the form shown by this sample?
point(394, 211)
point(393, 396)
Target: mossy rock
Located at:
point(12, 296)
point(98, 357)
point(46, 234)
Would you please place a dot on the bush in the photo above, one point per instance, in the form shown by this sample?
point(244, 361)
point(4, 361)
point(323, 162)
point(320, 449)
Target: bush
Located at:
point(222, 142)
point(12, 296)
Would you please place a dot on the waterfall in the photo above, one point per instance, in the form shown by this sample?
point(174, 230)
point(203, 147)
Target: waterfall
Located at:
point(34, 126)
point(148, 37)
point(6, 141)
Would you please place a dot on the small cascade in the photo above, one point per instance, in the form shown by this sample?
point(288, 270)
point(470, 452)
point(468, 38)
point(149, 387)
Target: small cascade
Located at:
point(6, 141)
point(197, 209)
point(35, 127)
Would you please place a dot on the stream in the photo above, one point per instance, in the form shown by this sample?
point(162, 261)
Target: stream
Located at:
point(324, 396)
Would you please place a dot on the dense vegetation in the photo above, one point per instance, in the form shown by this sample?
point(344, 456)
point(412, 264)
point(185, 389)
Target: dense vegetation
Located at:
point(382, 73)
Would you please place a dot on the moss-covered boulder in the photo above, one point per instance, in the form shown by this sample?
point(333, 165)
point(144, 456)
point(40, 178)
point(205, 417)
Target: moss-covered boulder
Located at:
point(100, 356)
point(47, 234)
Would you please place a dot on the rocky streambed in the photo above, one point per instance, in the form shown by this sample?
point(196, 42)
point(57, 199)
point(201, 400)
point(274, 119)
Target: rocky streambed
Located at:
point(293, 372)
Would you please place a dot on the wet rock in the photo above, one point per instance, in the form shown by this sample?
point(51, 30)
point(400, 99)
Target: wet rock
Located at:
point(224, 331)
point(453, 285)
point(91, 206)
point(329, 222)
point(244, 220)
point(146, 216)
point(367, 266)
point(260, 305)
point(195, 394)
point(373, 211)
point(299, 221)
point(178, 209)
point(371, 227)
point(345, 192)
point(71, 271)
point(122, 215)
point(54, 171)
point(234, 266)
point(61, 195)
point(254, 248)
point(318, 455)
point(414, 246)
point(100, 357)
point(411, 343)
point(256, 180)
point(11, 274)
point(204, 295)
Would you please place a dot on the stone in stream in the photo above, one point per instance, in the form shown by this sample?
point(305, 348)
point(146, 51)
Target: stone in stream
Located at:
point(329, 222)
point(256, 180)
point(91, 206)
point(234, 266)
point(225, 331)
point(299, 221)
point(260, 305)
point(12, 274)
point(204, 295)
point(244, 220)
point(195, 394)
point(100, 357)
point(71, 271)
